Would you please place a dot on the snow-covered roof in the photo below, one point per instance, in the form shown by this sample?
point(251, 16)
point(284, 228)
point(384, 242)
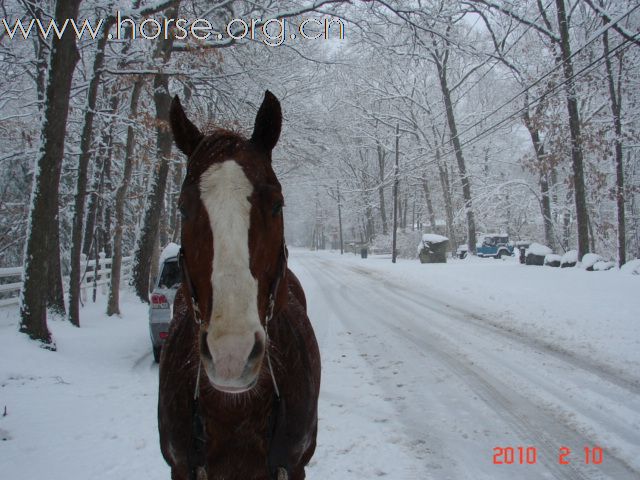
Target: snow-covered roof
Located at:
point(433, 238)
point(171, 250)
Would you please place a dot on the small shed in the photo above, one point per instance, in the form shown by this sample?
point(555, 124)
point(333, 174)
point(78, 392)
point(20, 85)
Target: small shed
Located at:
point(433, 248)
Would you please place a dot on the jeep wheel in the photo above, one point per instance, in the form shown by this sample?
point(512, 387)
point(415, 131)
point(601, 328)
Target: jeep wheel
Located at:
point(499, 254)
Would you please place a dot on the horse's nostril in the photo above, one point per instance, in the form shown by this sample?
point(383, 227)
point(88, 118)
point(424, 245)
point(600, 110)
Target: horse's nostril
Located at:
point(204, 346)
point(256, 351)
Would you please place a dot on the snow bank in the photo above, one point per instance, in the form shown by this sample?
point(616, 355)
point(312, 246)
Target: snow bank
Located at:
point(603, 265)
point(552, 260)
point(632, 267)
point(570, 258)
point(538, 249)
point(590, 259)
point(88, 410)
point(171, 250)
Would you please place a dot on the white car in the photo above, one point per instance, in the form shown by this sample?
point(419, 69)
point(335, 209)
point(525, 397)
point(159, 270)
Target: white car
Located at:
point(162, 296)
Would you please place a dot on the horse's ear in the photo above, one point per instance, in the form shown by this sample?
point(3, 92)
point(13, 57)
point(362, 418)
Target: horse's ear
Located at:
point(186, 134)
point(268, 123)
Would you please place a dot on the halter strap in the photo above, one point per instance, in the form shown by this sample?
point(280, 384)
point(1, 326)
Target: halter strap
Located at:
point(197, 316)
point(270, 311)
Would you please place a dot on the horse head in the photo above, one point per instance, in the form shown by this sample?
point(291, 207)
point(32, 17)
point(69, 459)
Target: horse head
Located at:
point(233, 250)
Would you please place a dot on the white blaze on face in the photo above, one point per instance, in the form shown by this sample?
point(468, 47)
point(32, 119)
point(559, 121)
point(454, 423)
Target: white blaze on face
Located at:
point(234, 322)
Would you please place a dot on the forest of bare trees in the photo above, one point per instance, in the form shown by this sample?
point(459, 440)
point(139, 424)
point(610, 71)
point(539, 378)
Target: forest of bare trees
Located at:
point(518, 117)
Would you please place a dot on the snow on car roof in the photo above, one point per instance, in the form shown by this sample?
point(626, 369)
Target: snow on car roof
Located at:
point(171, 250)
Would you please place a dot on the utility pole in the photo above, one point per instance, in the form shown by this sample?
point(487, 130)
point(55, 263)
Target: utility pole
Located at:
point(395, 195)
point(339, 217)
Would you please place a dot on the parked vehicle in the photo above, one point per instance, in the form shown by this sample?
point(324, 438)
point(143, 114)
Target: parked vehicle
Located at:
point(494, 245)
point(162, 296)
point(461, 252)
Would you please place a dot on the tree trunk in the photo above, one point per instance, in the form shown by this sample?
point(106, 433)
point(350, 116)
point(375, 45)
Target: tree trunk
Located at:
point(394, 252)
point(41, 52)
point(427, 197)
point(566, 221)
point(81, 188)
point(545, 201)
point(370, 225)
point(113, 306)
point(164, 141)
point(107, 191)
point(582, 219)
point(383, 210)
point(41, 254)
point(616, 107)
point(106, 186)
point(448, 203)
point(455, 140)
point(55, 292)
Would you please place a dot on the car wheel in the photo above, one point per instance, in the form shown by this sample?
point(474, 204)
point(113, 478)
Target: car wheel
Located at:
point(156, 353)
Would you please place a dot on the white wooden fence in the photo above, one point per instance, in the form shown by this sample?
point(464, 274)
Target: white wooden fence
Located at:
point(92, 278)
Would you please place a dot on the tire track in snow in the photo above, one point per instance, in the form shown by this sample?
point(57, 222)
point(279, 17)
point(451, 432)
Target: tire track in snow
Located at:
point(605, 372)
point(359, 403)
point(602, 379)
point(530, 420)
point(476, 381)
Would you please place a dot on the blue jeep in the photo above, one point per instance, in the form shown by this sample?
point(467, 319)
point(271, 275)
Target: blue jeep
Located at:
point(494, 245)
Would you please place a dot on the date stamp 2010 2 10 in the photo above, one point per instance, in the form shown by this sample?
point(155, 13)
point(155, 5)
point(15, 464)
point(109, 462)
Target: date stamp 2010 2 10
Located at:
point(529, 455)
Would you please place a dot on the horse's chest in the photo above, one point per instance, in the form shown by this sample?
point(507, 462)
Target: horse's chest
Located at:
point(235, 433)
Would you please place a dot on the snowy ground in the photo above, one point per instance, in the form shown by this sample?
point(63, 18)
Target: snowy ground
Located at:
point(426, 369)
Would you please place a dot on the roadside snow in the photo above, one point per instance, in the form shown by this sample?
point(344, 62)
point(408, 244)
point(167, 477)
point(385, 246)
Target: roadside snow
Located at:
point(87, 411)
point(590, 313)
point(632, 267)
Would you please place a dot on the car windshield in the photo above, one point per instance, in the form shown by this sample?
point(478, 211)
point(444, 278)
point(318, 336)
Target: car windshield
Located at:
point(170, 275)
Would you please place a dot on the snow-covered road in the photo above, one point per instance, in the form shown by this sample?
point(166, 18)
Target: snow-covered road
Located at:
point(427, 369)
point(454, 386)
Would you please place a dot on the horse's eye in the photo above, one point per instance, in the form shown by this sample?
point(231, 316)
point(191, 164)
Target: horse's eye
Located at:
point(277, 209)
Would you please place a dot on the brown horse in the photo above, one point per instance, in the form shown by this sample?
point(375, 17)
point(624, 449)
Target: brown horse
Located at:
point(240, 370)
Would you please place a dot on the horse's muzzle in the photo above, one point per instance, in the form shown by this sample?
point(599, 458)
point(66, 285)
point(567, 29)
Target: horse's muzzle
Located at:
point(233, 361)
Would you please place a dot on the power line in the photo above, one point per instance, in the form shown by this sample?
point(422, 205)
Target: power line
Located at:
point(553, 90)
point(558, 65)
